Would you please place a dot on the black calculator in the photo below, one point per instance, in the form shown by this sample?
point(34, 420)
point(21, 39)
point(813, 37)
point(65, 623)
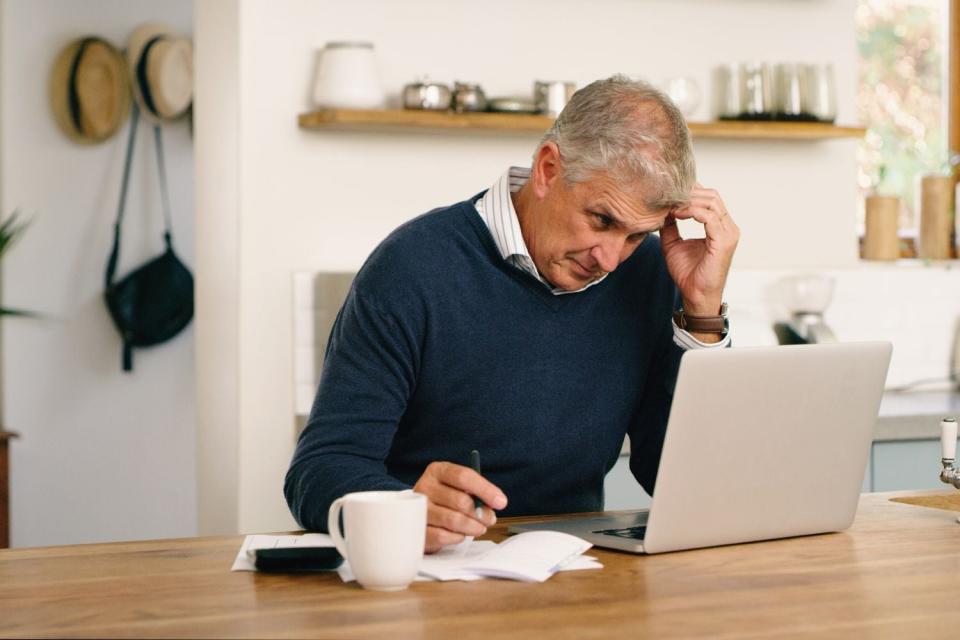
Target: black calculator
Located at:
point(297, 559)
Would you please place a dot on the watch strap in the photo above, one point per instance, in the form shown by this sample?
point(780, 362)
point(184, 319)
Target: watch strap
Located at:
point(702, 324)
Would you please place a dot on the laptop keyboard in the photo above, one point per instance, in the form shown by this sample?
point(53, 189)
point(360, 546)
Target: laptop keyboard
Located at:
point(635, 533)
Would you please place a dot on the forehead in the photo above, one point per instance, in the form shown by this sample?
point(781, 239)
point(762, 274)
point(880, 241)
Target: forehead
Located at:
point(626, 202)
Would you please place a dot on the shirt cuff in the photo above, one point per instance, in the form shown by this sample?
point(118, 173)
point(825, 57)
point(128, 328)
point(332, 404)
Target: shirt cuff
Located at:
point(686, 341)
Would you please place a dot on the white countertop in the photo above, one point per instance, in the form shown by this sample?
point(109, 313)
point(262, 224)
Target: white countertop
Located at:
point(904, 415)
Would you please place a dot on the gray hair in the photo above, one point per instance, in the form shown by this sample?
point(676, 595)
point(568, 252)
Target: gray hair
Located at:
point(631, 131)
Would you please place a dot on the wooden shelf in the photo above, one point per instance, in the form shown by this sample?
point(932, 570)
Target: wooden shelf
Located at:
point(773, 130)
point(409, 120)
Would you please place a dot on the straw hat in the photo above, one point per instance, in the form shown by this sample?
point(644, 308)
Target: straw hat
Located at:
point(161, 68)
point(89, 90)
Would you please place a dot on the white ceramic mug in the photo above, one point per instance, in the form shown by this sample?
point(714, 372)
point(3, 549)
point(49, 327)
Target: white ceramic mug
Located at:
point(384, 536)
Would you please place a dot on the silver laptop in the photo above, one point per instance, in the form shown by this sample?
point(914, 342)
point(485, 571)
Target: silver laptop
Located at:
point(762, 443)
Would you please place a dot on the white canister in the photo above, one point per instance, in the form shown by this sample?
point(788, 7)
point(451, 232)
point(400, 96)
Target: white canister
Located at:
point(821, 99)
point(726, 91)
point(347, 77)
point(552, 97)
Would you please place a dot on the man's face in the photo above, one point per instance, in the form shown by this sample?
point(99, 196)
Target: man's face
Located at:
point(579, 232)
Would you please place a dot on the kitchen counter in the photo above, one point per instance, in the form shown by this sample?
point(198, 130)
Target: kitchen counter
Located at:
point(904, 415)
point(915, 415)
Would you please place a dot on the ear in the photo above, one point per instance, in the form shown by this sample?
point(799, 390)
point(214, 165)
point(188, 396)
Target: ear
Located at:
point(547, 170)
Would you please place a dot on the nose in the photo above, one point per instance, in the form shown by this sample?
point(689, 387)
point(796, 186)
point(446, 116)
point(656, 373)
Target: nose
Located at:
point(609, 253)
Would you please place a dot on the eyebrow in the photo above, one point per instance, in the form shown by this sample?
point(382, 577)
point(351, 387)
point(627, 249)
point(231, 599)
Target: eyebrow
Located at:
point(617, 222)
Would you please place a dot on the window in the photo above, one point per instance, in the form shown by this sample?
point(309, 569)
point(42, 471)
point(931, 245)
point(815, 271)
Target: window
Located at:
point(902, 97)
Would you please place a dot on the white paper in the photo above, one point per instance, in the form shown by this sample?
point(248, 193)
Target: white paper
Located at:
point(532, 556)
point(448, 563)
point(581, 562)
point(346, 574)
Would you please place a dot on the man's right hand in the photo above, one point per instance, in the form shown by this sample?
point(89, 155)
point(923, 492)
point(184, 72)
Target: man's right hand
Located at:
point(450, 512)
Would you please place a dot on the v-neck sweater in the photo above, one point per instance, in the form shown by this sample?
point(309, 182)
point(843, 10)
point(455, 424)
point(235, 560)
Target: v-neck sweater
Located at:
point(442, 347)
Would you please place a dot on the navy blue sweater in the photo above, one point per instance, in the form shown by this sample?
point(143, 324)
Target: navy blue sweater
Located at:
point(442, 347)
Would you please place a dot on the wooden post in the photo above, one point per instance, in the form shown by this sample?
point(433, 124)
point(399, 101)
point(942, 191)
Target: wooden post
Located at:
point(5, 437)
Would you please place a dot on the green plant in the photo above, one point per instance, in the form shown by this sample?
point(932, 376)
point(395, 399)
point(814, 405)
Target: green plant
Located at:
point(10, 231)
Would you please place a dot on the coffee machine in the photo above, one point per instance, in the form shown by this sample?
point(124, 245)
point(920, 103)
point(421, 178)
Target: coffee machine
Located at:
point(804, 299)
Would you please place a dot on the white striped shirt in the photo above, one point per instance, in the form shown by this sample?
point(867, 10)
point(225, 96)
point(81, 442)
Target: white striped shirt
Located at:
point(497, 212)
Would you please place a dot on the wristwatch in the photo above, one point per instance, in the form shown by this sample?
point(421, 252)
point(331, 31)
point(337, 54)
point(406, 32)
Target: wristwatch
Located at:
point(702, 324)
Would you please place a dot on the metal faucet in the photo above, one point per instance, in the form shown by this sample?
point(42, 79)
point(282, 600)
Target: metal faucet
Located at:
point(948, 451)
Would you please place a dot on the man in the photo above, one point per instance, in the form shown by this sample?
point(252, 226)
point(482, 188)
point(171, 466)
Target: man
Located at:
point(534, 323)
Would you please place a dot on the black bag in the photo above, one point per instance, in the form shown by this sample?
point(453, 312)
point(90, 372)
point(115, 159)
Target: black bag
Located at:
point(154, 302)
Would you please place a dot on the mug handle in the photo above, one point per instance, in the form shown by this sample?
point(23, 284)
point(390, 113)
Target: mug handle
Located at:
point(333, 526)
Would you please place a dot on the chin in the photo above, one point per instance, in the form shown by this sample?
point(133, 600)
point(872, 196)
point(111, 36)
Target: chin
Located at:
point(570, 282)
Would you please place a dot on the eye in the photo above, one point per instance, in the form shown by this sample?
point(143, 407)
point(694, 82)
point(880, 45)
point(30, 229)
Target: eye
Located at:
point(603, 220)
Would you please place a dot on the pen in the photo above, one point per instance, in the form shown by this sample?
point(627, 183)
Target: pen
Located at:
point(475, 465)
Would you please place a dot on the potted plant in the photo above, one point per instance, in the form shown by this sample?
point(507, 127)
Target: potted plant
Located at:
point(10, 230)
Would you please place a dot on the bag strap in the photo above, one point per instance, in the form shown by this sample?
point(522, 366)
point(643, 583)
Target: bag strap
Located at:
point(164, 190)
point(125, 184)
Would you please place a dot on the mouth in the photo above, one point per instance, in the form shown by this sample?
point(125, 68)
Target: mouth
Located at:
point(582, 271)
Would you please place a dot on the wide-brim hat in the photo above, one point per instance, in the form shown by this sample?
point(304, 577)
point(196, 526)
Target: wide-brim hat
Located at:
point(161, 71)
point(89, 90)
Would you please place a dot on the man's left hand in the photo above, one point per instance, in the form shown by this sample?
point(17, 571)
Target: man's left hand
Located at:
point(699, 266)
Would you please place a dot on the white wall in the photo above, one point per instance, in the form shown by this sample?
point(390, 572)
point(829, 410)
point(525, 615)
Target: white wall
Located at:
point(104, 455)
point(217, 114)
point(322, 200)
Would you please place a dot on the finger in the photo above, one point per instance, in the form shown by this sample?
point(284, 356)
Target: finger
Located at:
point(471, 482)
point(457, 500)
point(434, 483)
point(437, 538)
point(454, 521)
point(702, 214)
point(669, 233)
point(710, 204)
point(699, 190)
point(488, 517)
point(451, 498)
point(722, 233)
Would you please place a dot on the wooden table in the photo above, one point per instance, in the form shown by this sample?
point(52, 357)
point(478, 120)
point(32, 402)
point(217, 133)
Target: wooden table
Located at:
point(894, 574)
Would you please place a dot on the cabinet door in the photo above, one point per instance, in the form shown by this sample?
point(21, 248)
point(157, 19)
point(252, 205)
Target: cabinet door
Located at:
point(867, 485)
point(621, 490)
point(907, 464)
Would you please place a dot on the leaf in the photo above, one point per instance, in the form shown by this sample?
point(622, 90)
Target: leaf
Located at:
point(10, 230)
point(18, 312)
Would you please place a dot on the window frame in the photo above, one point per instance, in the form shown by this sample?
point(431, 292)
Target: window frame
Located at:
point(953, 78)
